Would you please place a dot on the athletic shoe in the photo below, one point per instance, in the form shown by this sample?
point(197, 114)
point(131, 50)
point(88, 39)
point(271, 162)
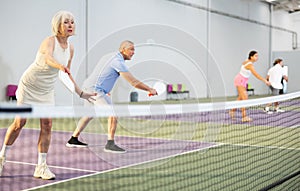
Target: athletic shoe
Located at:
point(113, 148)
point(42, 171)
point(267, 110)
point(2, 161)
point(246, 119)
point(74, 142)
point(279, 110)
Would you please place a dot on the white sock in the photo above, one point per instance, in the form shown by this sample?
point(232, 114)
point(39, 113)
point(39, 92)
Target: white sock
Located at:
point(4, 150)
point(42, 158)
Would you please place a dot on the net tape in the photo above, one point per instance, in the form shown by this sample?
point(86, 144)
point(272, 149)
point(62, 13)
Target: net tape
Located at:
point(120, 110)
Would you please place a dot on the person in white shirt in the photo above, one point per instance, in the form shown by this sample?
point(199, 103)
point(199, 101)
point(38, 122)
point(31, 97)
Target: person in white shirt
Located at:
point(274, 76)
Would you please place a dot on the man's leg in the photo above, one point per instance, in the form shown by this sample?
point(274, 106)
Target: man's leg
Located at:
point(267, 108)
point(74, 142)
point(111, 128)
point(110, 145)
point(276, 104)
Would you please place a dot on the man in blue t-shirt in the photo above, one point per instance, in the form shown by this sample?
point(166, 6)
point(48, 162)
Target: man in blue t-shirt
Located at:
point(102, 81)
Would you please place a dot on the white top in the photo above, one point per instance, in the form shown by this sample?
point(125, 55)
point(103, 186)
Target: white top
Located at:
point(245, 72)
point(36, 85)
point(275, 75)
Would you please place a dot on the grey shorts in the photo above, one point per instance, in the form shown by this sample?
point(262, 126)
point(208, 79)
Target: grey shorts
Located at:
point(274, 91)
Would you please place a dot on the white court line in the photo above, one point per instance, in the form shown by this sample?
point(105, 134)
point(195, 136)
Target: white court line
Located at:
point(260, 146)
point(294, 126)
point(127, 166)
point(59, 167)
point(217, 144)
point(163, 158)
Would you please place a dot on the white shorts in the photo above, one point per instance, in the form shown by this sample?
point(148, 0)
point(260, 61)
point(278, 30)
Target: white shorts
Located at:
point(100, 99)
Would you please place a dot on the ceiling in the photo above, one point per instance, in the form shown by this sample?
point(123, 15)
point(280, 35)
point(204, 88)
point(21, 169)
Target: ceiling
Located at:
point(290, 6)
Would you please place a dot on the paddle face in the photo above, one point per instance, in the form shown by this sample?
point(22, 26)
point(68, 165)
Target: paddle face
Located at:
point(160, 88)
point(65, 79)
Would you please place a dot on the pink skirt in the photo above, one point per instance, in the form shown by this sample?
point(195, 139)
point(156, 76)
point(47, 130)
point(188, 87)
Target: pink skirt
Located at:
point(240, 80)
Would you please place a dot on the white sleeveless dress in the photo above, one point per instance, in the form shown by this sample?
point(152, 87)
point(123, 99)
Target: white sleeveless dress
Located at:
point(36, 86)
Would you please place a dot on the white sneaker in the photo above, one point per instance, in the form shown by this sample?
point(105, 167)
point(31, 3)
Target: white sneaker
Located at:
point(42, 171)
point(267, 110)
point(2, 161)
point(279, 110)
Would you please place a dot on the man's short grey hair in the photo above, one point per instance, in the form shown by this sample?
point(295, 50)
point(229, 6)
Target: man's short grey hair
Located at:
point(125, 44)
point(58, 18)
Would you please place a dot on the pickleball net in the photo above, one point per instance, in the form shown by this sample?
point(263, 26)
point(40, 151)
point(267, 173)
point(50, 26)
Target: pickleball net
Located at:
point(182, 146)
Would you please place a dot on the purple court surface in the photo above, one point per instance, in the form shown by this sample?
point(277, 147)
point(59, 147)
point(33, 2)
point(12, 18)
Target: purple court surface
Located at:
point(69, 163)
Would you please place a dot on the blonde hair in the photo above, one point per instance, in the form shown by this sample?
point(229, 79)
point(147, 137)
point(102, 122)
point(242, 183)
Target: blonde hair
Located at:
point(125, 44)
point(59, 18)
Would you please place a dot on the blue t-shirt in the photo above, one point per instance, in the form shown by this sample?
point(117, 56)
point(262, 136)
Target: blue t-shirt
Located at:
point(106, 73)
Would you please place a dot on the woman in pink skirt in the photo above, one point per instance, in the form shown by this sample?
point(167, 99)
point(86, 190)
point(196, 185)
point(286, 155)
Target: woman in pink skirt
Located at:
point(241, 81)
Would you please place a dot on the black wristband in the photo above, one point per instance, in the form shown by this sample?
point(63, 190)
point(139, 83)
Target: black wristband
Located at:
point(81, 94)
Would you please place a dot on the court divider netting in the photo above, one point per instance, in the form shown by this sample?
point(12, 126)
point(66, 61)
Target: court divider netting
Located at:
point(182, 146)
